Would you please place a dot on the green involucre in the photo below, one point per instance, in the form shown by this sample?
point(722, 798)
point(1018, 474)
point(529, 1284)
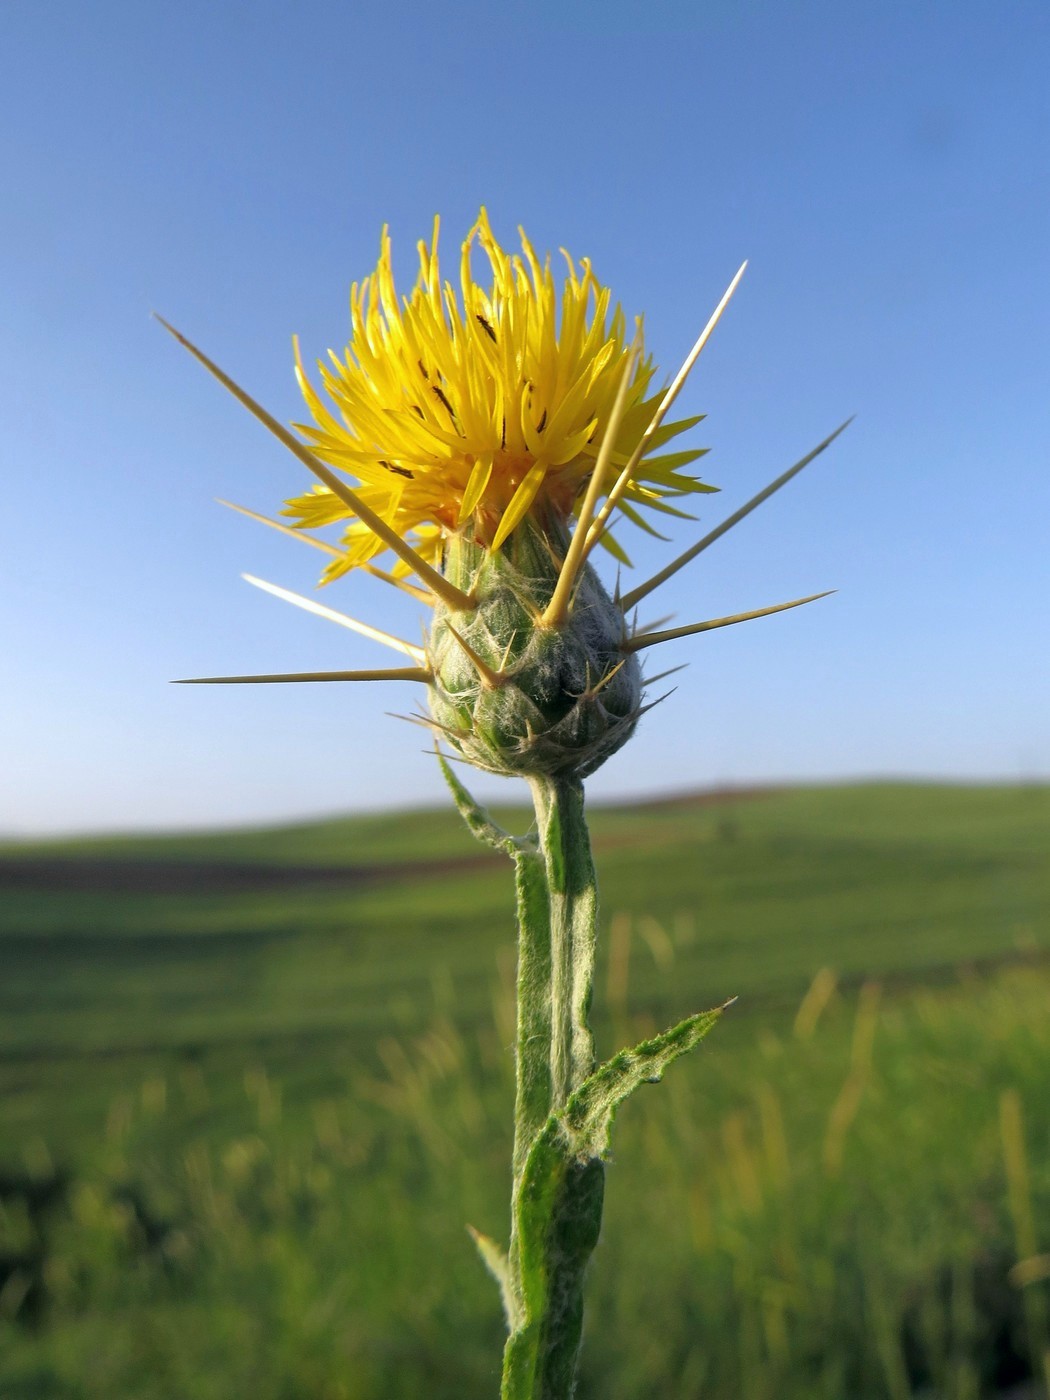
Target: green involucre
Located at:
point(568, 696)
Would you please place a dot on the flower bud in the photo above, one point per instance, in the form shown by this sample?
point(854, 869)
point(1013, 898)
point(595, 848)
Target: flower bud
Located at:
point(513, 695)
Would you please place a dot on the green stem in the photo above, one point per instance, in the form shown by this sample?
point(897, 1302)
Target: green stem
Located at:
point(553, 1233)
point(564, 1107)
point(533, 1100)
point(573, 892)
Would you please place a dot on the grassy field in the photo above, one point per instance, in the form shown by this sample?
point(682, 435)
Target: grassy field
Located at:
point(253, 1085)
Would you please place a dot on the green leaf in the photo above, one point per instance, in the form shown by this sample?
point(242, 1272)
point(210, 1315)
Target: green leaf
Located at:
point(478, 821)
point(587, 1117)
point(558, 1215)
point(558, 1212)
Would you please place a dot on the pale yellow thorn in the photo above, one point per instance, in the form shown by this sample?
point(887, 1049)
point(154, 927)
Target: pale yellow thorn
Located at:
point(651, 639)
point(490, 678)
point(558, 608)
point(630, 600)
point(319, 610)
point(662, 675)
point(507, 651)
point(405, 673)
point(593, 690)
point(402, 584)
point(323, 545)
point(624, 479)
point(436, 728)
point(453, 596)
point(423, 594)
point(653, 626)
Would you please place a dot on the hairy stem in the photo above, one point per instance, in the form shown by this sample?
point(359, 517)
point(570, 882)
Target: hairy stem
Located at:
point(554, 1225)
point(533, 1096)
point(559, 1176)
point(564, 1106)
point(573, 893)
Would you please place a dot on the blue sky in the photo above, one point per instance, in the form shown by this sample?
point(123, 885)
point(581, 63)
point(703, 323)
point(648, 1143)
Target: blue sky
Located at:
point(885, 167)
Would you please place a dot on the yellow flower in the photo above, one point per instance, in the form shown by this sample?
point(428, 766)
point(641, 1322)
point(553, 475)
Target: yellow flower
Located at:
point(474, 409)
point(460, 421)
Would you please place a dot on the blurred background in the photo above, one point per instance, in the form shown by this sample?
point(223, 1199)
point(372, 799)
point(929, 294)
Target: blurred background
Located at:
point(255, 981)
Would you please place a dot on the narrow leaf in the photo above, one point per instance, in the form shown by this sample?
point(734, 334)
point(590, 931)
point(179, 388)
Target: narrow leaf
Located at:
point(589, 1113)
point(478, 821)
point(558, 1211)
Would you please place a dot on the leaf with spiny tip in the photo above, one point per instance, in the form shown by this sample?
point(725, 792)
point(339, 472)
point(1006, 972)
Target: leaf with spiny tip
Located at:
point(588, 1115)
point(636, 643)
point(561, 1185)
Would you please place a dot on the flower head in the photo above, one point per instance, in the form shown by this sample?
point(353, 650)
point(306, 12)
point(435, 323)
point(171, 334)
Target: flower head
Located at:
point(473, 409)
point(473, 429)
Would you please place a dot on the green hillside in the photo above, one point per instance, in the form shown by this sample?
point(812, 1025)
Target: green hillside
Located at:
point(253, 1084)
point(151, 943)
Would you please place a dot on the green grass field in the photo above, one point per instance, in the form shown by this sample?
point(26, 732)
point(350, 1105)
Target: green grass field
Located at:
point(253, 1085)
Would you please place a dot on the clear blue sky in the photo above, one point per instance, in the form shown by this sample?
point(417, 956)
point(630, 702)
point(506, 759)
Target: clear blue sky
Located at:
point(884, 166)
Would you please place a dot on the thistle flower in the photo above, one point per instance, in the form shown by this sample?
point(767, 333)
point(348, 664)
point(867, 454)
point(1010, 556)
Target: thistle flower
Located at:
point(487, 439)
point(470, 412)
